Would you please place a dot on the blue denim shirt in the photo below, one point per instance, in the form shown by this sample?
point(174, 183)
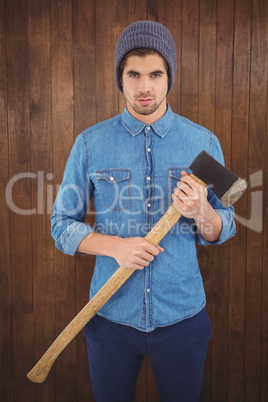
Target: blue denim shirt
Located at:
point(131, 170)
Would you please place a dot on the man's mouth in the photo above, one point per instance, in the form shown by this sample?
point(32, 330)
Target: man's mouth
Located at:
point(145, 101)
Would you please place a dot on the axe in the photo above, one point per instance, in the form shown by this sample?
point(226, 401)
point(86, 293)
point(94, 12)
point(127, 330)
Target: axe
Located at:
point(228, 188)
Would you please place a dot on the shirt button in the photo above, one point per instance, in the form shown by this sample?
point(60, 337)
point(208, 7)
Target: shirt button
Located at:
point(149, 149)
point(148, 128)
point(148, 290)
point(148, 178)
point(111, 178)
point(148, 205)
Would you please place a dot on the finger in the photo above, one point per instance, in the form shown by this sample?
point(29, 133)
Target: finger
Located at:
point(137, 267)
point(186, 185)
point(183, 190)
point(183, 203)
point(149, 248)
point(144, 262)
point(148, 257)
point(191, 182)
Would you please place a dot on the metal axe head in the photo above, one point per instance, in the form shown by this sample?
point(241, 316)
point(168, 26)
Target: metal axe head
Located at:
point(226, 185)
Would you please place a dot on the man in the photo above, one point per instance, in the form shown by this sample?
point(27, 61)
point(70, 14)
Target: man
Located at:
point(134, 165)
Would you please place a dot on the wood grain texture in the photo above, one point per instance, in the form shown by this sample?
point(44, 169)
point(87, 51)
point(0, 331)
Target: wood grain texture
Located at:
point(173, 20)
point(20, 224)
point(189, 59)
point(223, 115)
point(61, 38)
point(41, 166)
point(240, 121)
point(57, 65)
point(6, 348)
point(256, 161)
point(264, 341)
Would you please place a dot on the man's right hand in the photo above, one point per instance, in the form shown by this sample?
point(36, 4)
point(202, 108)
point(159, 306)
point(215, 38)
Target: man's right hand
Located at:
point(130, 252)
point(135, 252)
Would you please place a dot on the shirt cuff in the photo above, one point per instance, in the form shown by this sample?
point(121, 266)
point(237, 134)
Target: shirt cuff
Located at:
point(228, 228)
point(72, 237)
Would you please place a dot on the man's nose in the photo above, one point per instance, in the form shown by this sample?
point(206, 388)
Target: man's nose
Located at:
point(145, 84)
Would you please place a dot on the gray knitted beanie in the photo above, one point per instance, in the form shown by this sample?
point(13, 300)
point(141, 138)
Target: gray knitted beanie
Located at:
point(149, 34)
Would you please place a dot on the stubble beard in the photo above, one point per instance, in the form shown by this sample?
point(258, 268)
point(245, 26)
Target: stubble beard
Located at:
point(145, 110)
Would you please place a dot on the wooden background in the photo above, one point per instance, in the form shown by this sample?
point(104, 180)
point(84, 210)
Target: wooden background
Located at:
point(56, 79)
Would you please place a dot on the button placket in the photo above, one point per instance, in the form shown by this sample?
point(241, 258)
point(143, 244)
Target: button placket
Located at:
point(148, 198)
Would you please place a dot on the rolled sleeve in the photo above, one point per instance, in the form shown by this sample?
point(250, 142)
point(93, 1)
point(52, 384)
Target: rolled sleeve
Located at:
point(67, 221)
point(228, 228)
point(72, 236)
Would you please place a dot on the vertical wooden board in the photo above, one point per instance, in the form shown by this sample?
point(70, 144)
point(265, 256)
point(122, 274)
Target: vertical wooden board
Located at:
point(223, 113)
point(189, 59)
point(140, 10)
point(6, 357)
point(20, 222)
point(240, 121)
point(84, 24)
point(156, 11)
point(206, 118)
point(85, 116)
point(224, 65)
point(173, 21)
point(41, 166)
point(264, 352)
point(63, 138)
point(126, 19)
point(207, 59)
point(108, 30)
point(257, 130)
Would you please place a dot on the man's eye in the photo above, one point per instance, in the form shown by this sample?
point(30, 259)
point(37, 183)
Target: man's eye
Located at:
point(155, 75)
point(133, 75)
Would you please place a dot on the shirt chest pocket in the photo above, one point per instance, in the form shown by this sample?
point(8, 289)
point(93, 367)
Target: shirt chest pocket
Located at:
point(174, 175)
point(114, 188)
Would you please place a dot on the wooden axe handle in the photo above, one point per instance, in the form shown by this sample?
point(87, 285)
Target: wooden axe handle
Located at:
point(41, 369)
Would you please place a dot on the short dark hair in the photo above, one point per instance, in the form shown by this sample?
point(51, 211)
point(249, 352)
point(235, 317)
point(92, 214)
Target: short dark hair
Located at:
point(141, 52)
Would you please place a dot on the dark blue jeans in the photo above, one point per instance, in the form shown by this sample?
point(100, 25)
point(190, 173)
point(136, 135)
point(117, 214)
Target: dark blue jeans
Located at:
point(177, 354)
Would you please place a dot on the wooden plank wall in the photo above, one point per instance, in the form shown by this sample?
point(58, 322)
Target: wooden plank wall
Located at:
point(56, 79)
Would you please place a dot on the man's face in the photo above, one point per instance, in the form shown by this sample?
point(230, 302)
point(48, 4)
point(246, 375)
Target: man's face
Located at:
point(145, 86)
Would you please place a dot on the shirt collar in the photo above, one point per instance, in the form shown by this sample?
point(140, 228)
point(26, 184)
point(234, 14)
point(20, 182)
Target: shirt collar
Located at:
point(135, 126)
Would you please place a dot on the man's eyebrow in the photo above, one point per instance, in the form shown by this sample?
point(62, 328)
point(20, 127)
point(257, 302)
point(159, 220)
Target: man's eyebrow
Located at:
point(130, 72)
point(158, 72)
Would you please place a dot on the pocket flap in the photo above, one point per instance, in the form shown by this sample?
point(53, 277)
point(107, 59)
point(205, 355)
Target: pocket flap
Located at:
point(113, 175)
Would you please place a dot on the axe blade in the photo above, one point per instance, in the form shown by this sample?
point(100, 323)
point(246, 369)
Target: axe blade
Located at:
point(227, 186)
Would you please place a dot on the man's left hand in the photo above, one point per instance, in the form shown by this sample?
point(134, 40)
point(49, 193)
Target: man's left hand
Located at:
point(190, 198)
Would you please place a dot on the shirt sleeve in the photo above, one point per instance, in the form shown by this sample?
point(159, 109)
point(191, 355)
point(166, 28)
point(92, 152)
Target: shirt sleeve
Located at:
point(67, 221)
point(226, 214)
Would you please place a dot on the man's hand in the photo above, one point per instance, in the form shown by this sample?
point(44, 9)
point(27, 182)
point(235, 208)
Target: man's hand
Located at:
point(130, 252)
point(191, 200)
point(135, 252)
